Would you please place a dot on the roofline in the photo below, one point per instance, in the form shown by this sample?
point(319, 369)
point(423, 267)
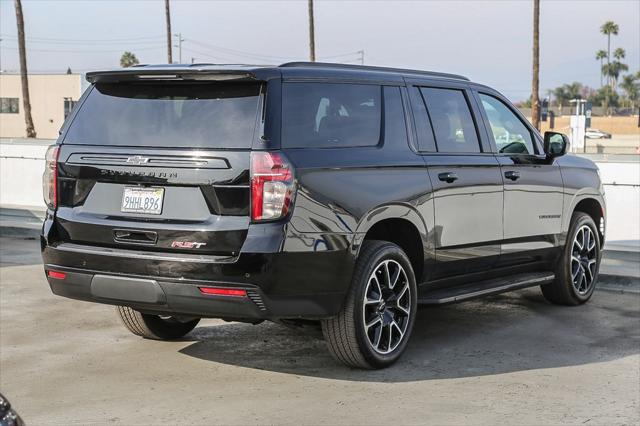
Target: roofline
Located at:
point(372, 68)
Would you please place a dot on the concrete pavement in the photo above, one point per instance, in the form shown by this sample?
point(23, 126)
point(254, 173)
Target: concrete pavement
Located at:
point(509, 359)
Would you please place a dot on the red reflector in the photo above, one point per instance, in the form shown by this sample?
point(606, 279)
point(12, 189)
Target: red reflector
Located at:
point(57, 275)
point(223, 291)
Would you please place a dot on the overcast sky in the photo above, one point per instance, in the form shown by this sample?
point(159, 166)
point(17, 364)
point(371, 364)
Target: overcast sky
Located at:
point(489, 41)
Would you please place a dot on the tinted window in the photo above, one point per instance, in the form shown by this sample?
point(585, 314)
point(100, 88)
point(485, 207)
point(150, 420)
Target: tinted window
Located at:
point(326, 115)
point(175, 115)
point(509, 133)
point(426, 141)
point(451, 120)
point(395, 126)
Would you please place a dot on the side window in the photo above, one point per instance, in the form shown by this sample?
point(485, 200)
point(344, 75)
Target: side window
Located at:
point(509, 133)
point(328, 115)
point(395, 126)
point(451, 120)
point(426, 141)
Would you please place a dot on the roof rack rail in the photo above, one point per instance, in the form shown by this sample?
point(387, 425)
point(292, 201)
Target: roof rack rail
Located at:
point(372, 68)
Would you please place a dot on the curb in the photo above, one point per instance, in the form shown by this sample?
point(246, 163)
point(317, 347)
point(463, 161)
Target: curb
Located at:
point(19, 232)
point(619, 283)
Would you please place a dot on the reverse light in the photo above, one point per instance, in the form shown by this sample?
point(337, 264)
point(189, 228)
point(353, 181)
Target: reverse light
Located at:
point(56, 275)
point(50, 177)
point(214, 291)
point(271, 186)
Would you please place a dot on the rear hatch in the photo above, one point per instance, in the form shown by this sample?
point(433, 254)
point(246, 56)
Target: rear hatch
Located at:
point(159, 166)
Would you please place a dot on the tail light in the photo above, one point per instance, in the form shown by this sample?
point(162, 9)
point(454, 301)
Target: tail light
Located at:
point(56, 275)
point(50, 178)
point(215, 291)
point(271, 186)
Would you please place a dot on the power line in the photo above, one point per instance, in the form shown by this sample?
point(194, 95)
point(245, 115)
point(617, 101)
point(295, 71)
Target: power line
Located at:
point(86, 51)
point(83, 43)
point(128, 39)
point(208, 55)
point(235, 52)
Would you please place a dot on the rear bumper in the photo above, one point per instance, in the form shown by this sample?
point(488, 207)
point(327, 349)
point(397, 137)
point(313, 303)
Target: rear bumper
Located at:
point(163, 296)
point(279, 284)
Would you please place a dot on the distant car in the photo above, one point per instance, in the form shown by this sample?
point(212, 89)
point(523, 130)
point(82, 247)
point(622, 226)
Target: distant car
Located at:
point(597, 134)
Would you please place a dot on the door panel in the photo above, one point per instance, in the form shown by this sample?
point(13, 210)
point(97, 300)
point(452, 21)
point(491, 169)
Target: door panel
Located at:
point(533, 187)
point(468, 212)
point(467, 184)
point(532, 203)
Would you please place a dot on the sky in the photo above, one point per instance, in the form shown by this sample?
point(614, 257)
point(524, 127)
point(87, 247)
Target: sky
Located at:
point(488, 41)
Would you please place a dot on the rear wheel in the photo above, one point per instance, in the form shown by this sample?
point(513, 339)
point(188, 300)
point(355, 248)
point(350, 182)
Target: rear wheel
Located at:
point(373, 327)
point(577, 270)
point(155, 327)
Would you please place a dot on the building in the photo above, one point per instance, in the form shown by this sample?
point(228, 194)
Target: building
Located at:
point(52, 98)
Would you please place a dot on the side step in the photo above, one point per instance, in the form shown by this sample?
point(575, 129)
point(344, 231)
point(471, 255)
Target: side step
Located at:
point(440, 296)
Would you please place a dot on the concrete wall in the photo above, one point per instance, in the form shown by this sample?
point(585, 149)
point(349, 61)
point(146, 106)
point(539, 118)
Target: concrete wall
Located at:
point(21, 167)
point(22, 164)
point(47, 93)
point(622, 191)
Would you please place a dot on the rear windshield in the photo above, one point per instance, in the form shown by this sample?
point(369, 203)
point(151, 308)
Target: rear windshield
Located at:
point(205, 115)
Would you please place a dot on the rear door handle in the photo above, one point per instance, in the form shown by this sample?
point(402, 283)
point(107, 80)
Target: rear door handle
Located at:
point(513, 175)
point(448, 177)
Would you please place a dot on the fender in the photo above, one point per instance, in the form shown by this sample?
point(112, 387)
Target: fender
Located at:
point(572, 200)
point(402, 211)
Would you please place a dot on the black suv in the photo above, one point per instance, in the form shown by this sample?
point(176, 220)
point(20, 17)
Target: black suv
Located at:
point(311, 193)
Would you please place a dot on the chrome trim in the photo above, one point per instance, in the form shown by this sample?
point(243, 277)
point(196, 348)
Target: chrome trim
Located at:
point(134, 254)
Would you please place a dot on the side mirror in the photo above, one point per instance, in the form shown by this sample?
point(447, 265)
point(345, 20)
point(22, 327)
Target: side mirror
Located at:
point(555, 144)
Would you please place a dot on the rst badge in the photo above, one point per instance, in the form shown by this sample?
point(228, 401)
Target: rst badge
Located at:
point(187, 244)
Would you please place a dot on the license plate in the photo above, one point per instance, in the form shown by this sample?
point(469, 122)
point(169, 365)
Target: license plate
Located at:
point(142, 200)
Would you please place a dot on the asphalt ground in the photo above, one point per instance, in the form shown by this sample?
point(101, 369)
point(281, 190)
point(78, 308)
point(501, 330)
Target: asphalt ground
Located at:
point(508, 359)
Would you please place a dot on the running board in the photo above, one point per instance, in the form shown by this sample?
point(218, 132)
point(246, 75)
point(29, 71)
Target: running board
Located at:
point(441, 296)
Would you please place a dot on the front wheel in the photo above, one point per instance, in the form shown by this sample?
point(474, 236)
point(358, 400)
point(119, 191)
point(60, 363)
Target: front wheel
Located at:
point(155, 327)
point(577, 270)
point(373, 327)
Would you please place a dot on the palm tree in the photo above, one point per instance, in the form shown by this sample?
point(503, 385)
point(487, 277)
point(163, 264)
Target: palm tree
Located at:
point(600, 56)
point(619, 53)
point(631, 87)
point(613, 70)
point(128, 59)
point(609, 28)
point(535, 82)
point(26, 101)
point(312, 34)
point(567, 92)
point(167, 13)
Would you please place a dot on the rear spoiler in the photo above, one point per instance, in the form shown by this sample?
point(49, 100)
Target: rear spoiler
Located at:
point(132, 74)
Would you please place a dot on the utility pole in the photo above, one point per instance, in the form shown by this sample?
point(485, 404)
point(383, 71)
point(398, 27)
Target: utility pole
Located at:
point(179, 46)
point(167, 13)
point(312, 34)
point(361, 53)
point(26, 101)
point(535, 100)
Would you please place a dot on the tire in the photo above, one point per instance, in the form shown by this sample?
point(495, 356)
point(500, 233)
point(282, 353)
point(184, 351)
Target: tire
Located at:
point(577, 269)
point(154, 326)
point(390, 309)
